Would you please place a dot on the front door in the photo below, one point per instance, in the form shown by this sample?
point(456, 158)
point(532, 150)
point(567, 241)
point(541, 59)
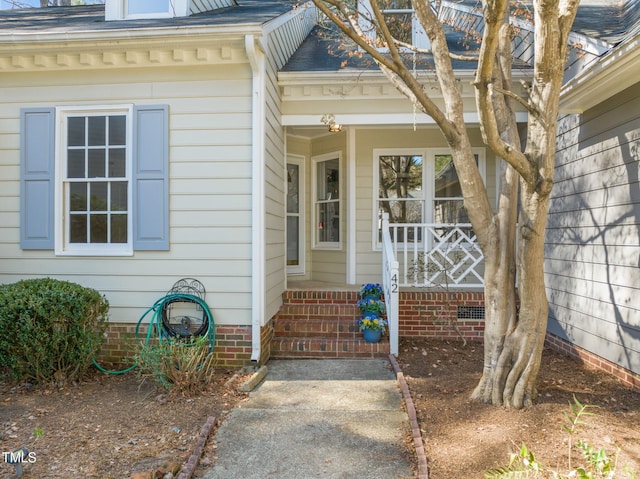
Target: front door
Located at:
point(295, 219)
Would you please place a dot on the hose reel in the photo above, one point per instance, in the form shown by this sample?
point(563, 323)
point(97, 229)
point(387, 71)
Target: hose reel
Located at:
point(183, 316)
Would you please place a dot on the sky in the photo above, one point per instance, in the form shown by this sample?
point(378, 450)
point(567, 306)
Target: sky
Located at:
point(8, 4)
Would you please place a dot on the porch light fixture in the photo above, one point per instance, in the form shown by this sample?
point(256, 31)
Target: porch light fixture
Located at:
point(330, 121)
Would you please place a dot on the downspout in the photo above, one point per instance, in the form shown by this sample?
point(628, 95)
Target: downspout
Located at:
point(255, 54)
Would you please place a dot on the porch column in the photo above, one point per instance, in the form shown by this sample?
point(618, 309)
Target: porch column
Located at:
point(351, 206)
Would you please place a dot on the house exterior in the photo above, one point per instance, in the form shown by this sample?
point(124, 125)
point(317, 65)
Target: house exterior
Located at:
point(593, 241)
point(142, 146)
point(219, 140)
point(146, 148)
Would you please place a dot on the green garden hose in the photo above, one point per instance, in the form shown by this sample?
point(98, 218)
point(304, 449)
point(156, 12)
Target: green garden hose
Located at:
point(156, 324)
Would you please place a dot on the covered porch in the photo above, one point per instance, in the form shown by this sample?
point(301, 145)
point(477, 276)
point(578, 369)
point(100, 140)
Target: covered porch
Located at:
point(355, 150)
point(432, 280)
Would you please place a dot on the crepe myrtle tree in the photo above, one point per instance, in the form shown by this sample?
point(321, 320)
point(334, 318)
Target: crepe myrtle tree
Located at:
point(514, 338)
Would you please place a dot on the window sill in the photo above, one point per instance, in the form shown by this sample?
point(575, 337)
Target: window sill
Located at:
point(327, 247)
point(95, 252)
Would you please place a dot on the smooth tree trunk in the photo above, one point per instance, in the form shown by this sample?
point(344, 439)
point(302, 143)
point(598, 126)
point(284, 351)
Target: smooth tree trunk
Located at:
point(514, 343)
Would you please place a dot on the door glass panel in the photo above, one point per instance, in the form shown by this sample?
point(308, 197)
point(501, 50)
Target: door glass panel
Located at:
point(293, 233)
point(294, 243)
point(293, 188)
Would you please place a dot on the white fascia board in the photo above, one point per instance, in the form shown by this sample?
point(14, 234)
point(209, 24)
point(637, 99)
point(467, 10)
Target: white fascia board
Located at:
point(376, 77)
point(383, 119)
point(363, 76)
point(603, 79)
point(133, 35)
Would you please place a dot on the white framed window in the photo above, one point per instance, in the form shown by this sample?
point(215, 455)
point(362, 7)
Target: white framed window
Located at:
point(418, 186)
point(326, 201)
point(71, 169)
point(295, 206)
point(132, 9)
point(400, 19)
point(93, 181)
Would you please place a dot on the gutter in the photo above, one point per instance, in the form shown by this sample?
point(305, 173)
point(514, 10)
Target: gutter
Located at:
point(255, 54)
point(133, 34)
point(604, 78)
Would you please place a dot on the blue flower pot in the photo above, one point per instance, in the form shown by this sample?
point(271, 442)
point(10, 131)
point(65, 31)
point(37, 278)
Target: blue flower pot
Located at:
point(372, 336)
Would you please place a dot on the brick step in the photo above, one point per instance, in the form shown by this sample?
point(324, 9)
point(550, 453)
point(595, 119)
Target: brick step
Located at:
point(283, 348)
point(318, 311)
point(319, 297)
point(330, 328)
point(321, 324)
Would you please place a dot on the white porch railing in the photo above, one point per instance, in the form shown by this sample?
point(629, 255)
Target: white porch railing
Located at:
point(390, 285)
point(437, 255)
point(428, 255)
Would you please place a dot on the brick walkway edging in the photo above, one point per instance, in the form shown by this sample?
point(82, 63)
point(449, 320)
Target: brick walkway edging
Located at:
point(423, 470)
point(189, 468)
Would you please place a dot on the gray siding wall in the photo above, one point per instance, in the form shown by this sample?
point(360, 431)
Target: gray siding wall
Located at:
point(593, 237)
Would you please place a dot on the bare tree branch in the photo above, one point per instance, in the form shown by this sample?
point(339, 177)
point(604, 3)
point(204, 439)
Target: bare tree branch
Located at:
point(454, 56)
point(396, 71)
point(495, 13)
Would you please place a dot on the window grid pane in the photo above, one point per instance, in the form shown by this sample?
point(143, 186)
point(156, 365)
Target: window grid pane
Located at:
point(97, 208)
point(400, 191)
point(328, 214)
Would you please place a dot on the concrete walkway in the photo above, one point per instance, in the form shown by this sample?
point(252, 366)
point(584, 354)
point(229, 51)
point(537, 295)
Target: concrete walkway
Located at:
point(323, 418)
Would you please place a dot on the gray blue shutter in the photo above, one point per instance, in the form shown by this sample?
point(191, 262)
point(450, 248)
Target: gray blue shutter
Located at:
point(151, 177)
point(37, 178)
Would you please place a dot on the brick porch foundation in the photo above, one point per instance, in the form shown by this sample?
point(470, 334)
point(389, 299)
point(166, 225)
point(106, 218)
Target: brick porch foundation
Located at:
point(593, 361)
point(441, 315)
point(438, 315)
point(232, 347)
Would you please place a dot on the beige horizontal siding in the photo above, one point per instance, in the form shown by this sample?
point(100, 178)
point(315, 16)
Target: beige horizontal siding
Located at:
point(210, 186)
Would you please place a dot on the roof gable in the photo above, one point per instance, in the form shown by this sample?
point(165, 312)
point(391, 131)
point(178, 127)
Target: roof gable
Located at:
point(136, 9)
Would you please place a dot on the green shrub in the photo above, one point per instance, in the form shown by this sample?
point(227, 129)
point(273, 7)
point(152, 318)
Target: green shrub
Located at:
point(51, 329)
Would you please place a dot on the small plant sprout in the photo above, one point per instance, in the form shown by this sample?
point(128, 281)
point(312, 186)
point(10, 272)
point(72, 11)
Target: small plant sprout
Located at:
point(597, 463)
